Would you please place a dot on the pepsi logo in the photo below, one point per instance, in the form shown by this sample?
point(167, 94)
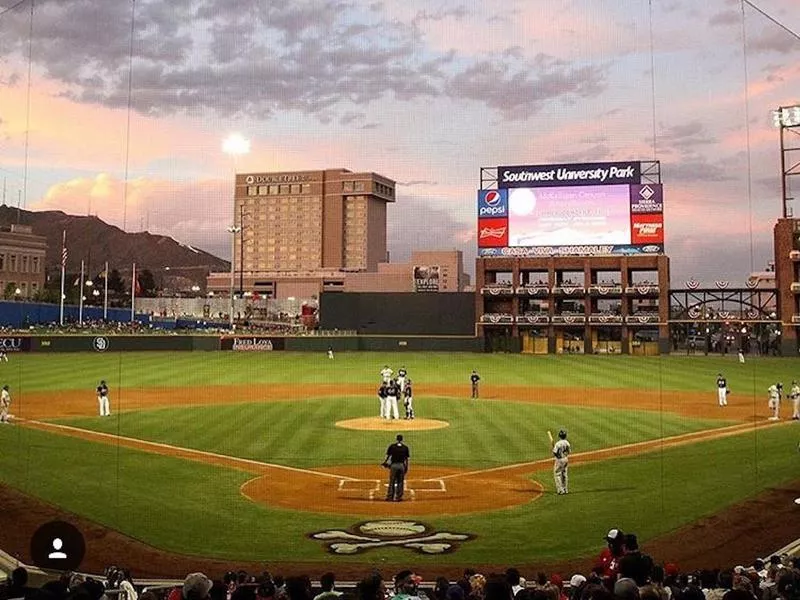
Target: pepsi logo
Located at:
point(492, 198)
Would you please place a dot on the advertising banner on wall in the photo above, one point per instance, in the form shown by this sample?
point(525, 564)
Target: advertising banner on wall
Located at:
point(15, 344)
point(575, 250)
point(605, 173)
point(492, 203)
point(426, 278)
point(647, 229)
point(492, 233)
point(251, 343)
point(647, 198)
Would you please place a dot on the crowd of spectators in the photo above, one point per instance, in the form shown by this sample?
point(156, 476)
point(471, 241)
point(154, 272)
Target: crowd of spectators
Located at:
point(622, 572)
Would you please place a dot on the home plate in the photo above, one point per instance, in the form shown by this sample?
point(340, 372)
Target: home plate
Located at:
point(797, 500)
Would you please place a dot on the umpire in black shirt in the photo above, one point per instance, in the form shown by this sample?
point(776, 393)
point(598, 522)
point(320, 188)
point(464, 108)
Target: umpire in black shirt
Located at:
point(396, 460)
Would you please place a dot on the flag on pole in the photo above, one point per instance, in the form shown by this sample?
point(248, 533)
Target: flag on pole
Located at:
point(63, 274)
point(138, 286)
point(64, 254)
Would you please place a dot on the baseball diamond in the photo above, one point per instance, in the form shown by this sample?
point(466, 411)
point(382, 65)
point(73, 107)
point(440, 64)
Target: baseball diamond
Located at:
point(275, 442)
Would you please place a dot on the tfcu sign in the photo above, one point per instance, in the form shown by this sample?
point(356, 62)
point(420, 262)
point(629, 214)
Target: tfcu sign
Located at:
point(492, 203)
point(614, 173)
point(15, 344)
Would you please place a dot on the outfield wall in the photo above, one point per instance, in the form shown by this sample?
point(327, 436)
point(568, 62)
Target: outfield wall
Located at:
point(244, 343)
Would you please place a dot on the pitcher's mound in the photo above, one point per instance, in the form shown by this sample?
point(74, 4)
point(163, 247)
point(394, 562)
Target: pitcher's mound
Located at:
point(378, 424)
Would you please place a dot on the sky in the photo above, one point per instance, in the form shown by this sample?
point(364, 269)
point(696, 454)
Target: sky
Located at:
point(119, 109)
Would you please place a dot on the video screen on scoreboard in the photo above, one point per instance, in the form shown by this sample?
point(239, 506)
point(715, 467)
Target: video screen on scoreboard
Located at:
point(564, 216)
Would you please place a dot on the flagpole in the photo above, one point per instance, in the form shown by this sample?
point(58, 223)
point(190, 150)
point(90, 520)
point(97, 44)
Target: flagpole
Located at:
point(105, 296)
point(133, 292)
point(80, 298)
point(63, 268)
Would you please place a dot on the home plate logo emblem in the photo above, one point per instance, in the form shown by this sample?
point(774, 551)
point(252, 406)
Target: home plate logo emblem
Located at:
point(413, 535)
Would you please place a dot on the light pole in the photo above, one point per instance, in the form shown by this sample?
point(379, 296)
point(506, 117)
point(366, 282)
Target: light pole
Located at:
point(236, 145)
point(233, 230)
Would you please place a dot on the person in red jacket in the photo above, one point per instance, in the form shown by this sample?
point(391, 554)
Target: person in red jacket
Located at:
point(609, 557)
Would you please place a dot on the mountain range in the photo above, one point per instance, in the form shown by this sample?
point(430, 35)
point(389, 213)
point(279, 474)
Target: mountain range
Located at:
point(95, 241)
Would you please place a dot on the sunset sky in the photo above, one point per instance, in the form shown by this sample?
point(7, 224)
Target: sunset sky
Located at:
point(424, 92)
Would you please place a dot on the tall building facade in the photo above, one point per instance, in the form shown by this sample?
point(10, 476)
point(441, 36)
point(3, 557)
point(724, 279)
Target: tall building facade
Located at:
point(310, 221)
point(22, 266)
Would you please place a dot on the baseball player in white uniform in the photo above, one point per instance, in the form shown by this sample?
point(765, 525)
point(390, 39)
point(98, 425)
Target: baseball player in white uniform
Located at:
point(102, 399)
point(722, 390)
point(774, 402)
point(794, 394)
point(561, 450)
point(386, 373)
point(402, 375)
point(5, 406)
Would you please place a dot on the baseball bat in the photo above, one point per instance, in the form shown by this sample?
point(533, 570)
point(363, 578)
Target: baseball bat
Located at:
point(550, 436)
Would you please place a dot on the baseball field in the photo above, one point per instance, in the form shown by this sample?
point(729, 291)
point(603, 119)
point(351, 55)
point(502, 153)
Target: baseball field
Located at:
point(274, 457)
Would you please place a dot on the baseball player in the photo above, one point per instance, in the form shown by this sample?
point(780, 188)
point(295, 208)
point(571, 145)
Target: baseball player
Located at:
point(409, 400)
point(474, 379)
point(396, 461)
point(386, 373)
point(401, 378)
point(794, 394)
point(102, 399)
point(774, 402)
point(3, 356)
point(5, 406)
point(392, 392)
point(383, 397)
point(330, 352)
point(722, 390)
point(561, 450)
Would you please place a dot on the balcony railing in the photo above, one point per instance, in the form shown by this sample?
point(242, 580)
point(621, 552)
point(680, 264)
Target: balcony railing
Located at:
point(569, 290)
point(642, 319)
point(642, 290)
point(497, 319)
point(497, 290)
point(605, 290)
point(533, 290)
point(533, 319)
point(605, 319)
point(568, 319)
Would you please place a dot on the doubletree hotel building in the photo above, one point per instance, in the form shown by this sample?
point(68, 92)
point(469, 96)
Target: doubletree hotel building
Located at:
point(299, 232)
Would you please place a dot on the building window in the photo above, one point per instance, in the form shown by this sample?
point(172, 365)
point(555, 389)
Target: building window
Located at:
point(252, 190)
point(262, 190)
point(284, 189)
point(24, 264)
point(273, 190)
point(295, 188)
point(12, 264)
point(306, 187)
point(347, 186)
point(2, 261)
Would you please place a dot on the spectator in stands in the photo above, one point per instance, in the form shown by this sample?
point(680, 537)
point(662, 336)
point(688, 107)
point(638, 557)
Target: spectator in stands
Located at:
point(371, 588)
point(514, 580)
point(455, 592)
point(477, 584)
point(497, 588)
point(625, 588)
point(723, 585)
point(265, 590)
point(558, 586)
point(596, 591)
point(656, 585)
point(127, 591)
point(299, 588)
point(440, 588)
point(634, 563)
point(576, 584)
point(18, 584)
point(327, 582)
point(196, 586)
point(788, 586)
point(406, 586)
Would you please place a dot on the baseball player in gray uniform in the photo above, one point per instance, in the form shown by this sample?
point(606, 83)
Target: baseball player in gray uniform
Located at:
point(561, 450)
point(5, 406)
point(794, 394)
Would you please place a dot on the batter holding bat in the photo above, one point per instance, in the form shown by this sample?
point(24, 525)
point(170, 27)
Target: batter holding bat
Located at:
point(561, 450)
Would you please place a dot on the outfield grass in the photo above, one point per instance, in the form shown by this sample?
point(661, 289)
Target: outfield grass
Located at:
point(38, 372)
point(195, 508)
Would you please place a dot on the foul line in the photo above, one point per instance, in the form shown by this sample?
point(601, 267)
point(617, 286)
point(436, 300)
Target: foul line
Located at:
point(154, 447)
point(629, 449)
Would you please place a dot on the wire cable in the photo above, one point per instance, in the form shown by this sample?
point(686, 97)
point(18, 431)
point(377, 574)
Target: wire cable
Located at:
point(128, 122)
point(27, 119)
point(749, 152)
point(653, 79)
point(770, 18)
point(12, 7)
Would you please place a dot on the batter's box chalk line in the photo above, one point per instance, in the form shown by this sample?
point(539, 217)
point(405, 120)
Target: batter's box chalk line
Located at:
point(376, 487)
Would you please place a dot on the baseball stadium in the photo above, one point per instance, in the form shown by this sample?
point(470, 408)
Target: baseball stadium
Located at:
point(525, 337)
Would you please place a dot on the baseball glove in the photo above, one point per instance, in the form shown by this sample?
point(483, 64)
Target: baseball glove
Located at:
point(385, 465)
point(727, 392)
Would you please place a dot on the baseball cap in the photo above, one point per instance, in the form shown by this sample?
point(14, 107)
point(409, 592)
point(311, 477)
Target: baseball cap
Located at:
point(577, 580)
point(614, 535)
point(671, 569)
point(196, 586)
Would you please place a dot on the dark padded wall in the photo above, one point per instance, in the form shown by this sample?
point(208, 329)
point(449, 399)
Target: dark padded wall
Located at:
point(399, 313)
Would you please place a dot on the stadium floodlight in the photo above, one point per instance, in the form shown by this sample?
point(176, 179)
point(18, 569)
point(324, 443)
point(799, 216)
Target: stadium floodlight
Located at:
point(786, 116)
point(233, 230)
point(235, 144)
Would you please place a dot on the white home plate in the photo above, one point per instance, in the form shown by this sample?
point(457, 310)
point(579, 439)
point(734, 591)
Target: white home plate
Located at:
point(797, 500)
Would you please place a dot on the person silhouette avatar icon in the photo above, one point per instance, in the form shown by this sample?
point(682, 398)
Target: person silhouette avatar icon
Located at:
point(57, 554)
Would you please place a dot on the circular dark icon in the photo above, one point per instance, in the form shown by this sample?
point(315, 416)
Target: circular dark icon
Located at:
point(100, 344)
point(58, 545)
